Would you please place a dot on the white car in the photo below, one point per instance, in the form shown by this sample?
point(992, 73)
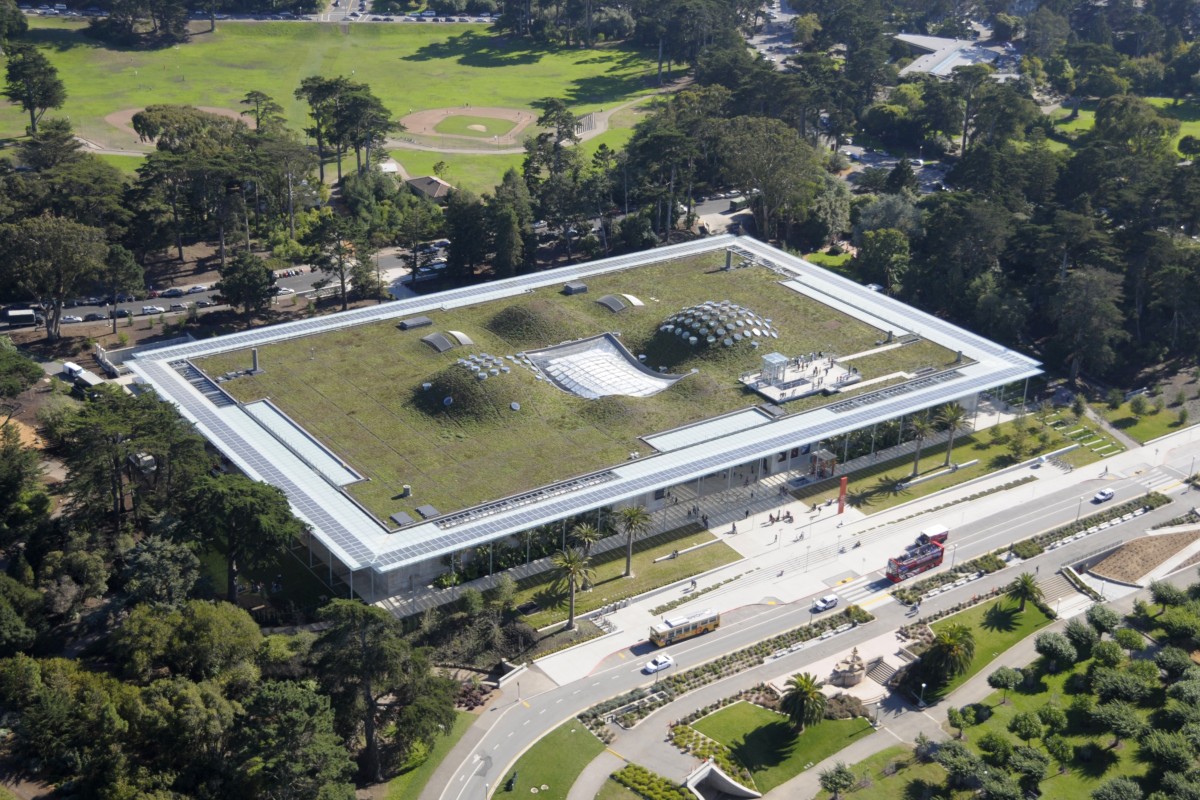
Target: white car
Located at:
point(1104, 495)
point(284, 290)
point(153, 310)
point(825, 603)
point(197, 289)
point(72, 318)
point(658, 664)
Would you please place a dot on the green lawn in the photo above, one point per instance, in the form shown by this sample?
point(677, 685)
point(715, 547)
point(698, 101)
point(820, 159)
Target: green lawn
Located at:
point(611, 790)
point(1149, 426)
point(610, 585)
point(874, 487)
point(838, 263)
point(1187, 112)
point(908, 772)
point(553, 764)
point(767, 744)
point(364, 396)
point(471, 171)
point(408, 785)
point(409, 67)
point(997, 626)
point(127, 164)
point(479, 172)
point(481, 127)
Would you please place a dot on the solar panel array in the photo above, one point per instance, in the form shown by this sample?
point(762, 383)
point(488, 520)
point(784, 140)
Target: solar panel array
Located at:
point(242, 452)
point(523, 499)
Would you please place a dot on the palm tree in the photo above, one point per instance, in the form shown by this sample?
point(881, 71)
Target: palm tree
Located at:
point(586, 535)
point(575, 571)
point(1023, 588)
point(950, 654)
point(803, 702)
point(633, 521)
point(921, 426)
point(952, 417)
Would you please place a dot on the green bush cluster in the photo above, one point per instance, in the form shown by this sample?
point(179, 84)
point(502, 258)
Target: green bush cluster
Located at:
point(1027, 548)
point(648, 785)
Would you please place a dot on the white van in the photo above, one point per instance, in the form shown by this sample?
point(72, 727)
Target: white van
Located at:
point(72, 369)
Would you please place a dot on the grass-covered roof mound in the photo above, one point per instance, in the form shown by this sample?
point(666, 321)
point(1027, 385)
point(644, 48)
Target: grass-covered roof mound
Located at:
point(471, 398)
point(534, 323)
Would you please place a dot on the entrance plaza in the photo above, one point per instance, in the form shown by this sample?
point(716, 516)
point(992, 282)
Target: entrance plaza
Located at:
point(397, 454)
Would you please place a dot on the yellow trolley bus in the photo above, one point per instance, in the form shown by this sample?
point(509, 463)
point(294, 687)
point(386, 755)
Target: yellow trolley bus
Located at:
point(674, 629)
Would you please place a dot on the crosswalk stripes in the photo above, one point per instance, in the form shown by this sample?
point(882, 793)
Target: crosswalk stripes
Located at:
point(860, 589)
point(1155, 478)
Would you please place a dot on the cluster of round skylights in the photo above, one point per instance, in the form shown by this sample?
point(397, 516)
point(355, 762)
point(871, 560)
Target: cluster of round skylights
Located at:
point(485, 366)
point(723, 323)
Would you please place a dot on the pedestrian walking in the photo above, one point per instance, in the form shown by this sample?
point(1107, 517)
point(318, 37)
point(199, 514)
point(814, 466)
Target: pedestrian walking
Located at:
point(734, 528)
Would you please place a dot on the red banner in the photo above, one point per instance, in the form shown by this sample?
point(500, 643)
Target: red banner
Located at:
point(842, 494)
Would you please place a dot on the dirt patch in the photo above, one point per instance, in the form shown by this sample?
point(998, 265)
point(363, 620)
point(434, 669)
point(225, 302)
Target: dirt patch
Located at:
point(1137, 558)
point(479, 128)
point(123, 120)
point(29, 435)
point(421, 123)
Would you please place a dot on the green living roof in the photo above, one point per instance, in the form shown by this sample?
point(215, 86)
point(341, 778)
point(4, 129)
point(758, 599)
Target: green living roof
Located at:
point(359, 390)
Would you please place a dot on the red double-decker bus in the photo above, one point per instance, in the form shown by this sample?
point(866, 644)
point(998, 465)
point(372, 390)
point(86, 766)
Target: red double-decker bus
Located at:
point(924, 554)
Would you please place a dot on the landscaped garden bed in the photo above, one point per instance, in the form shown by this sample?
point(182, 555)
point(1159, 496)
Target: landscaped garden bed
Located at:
point(1133, 560)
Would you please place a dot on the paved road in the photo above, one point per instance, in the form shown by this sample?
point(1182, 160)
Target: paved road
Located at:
point(481, 761)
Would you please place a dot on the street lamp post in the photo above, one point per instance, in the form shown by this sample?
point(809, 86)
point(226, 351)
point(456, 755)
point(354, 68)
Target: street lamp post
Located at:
point(953, 555)
point(922, 700)
point(1079, 510)
point(807, 555)
point(487, 788)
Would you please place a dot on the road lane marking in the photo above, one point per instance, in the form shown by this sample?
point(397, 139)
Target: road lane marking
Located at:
point(526, 704)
